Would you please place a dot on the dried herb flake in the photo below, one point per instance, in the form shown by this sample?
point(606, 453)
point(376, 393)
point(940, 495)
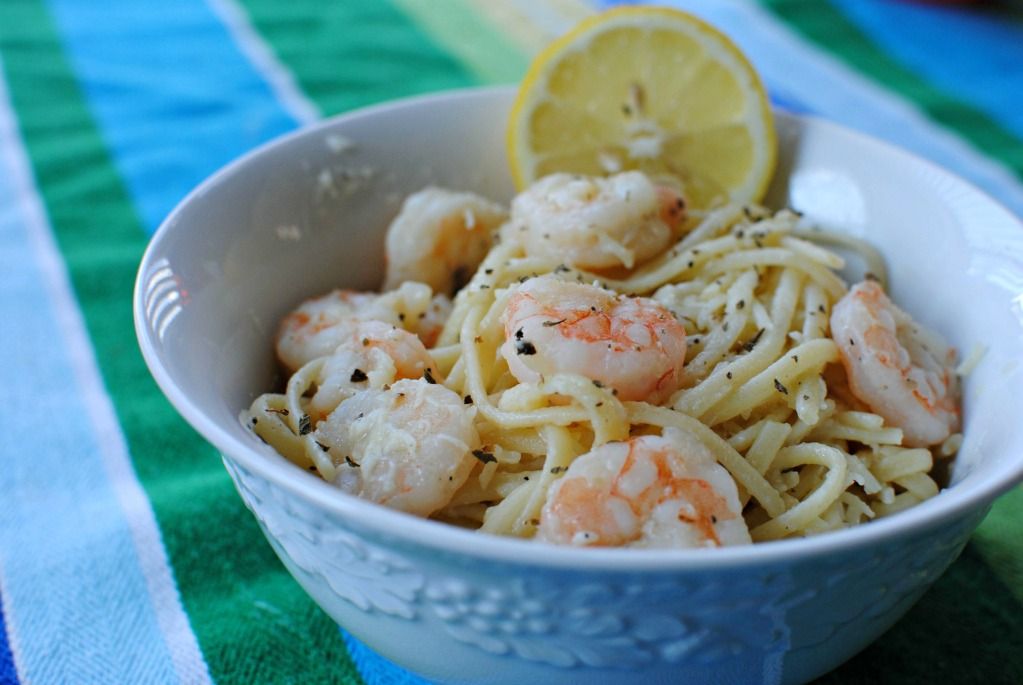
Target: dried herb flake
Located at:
point(484, 456)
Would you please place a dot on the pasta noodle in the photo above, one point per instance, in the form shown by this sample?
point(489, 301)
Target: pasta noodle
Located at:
point(761, 388)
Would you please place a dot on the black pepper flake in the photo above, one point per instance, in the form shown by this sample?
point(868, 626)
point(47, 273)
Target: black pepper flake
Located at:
point(322, 446)
point(401, 316)
point(524, 347)
point(429, 376)
point(351, 462)
point(254, 420)
point(851, 341)
point(780, 388)
point(747, 212)
point(806, 398)
point(484, 456)
point(752, 342)
point(696, 341)
point(548, 324)
point(525, 478)
point(795, 358)
point(626, 110)
point(728, 375)
point(820, 308)
point(484, 287)
point(519, 334)
point(713, 518)
point(561, 268)
point(365, 342)
point(305, 424)
point(598, 383)
point(740, 304)
point(599, 404)
point(467, 399)
point(690, 264)
point(488, 271)
point(359, 376)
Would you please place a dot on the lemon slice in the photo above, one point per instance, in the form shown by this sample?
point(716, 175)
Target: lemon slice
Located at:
point(652, 89)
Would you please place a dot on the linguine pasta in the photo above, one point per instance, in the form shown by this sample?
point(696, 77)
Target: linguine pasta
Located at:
point(762, 386)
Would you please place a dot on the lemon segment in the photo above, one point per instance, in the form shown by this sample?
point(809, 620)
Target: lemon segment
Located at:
point(652, 89)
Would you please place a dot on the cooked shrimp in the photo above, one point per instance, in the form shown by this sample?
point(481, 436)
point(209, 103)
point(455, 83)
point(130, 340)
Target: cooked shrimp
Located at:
point(596, 223)
point(651, 491)
point(408, 447)
point(319, 325)
point(372, 355)
point(439, 238)
point(631, 344)
point(899, 369)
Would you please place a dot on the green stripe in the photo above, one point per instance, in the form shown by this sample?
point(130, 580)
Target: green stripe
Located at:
point(354, 53)
point(1000, 541)
point(465, 33)
point(253, 622)
point(826, 26)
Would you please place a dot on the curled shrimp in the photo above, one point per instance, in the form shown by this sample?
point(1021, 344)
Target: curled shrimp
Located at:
point(896, 367)
point(373, 354)
point(319, 325)
point(630, 344)
point(408, 447)
point(596, 223)
point(650, 491)
point(439, 238)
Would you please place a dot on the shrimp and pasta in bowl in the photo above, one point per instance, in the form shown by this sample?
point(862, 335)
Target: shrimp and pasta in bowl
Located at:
point(543, 431)
point(598, 365)
point(569, 419)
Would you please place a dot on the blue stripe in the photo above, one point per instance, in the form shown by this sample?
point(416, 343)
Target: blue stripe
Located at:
point(74, 594)
point(975, 55)
point(173, 96)
point(375, 669)
point(8, 675)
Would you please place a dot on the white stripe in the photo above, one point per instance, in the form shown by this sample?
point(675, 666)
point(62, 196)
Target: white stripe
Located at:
point(186, 657)
point(553, 18)
point(265, 62)
point(813, 77)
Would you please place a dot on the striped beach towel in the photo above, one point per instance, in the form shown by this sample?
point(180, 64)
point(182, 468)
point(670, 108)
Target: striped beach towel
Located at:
point(125, 555)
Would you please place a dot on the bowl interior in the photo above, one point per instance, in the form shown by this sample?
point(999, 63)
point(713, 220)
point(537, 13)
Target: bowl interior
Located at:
point(306, 214)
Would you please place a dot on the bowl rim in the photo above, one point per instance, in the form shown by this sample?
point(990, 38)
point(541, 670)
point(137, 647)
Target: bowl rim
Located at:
point(441, 537)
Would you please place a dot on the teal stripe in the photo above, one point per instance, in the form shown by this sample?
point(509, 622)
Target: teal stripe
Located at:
point(354, 53)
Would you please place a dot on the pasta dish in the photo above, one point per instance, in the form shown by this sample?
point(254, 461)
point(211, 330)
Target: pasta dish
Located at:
point(599, 365)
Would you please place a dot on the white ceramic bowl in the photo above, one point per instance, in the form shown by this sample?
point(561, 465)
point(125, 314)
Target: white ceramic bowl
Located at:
point(306, 213)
